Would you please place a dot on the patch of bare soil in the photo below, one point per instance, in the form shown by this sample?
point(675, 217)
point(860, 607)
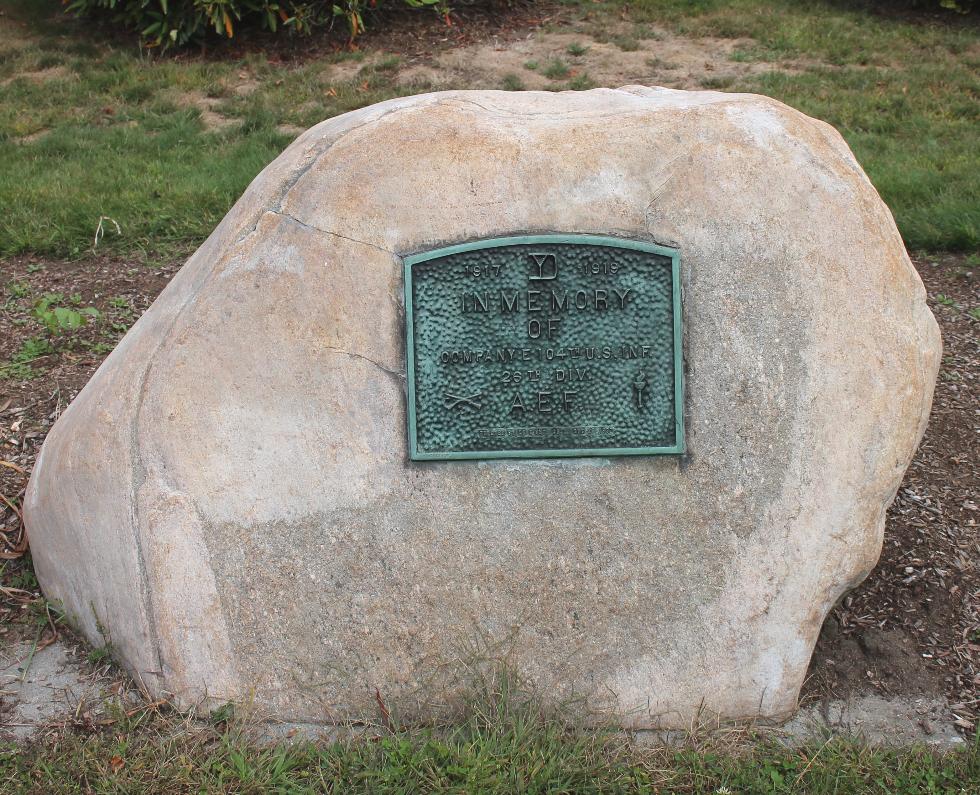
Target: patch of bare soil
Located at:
point(40, 75)
point(34, 136)
point(541, 60)
point(51, 687)
point(244, 84)
point(911, 629)
point(914, 625)
point(206, 106)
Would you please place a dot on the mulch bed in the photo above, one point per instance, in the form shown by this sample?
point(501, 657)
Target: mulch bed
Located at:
point(121, 291)
point(396, 28)
point(913, 627)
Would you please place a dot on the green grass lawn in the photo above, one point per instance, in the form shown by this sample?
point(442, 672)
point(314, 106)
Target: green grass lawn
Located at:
point(904, 92)
point(514, 750)
point(92, 130)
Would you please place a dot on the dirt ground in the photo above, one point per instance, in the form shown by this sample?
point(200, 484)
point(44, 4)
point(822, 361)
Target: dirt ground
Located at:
point(539, 60)
point(656, 58)
point(29, 405)
point(910, 630)
point(913, 625)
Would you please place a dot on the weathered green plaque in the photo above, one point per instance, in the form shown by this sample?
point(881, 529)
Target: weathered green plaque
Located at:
point(544, 345)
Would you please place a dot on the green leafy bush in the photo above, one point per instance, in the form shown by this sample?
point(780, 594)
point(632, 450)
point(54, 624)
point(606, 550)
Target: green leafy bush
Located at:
point(959, 6)
point(174, 23)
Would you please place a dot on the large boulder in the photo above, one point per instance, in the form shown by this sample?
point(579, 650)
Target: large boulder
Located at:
point(231, 505)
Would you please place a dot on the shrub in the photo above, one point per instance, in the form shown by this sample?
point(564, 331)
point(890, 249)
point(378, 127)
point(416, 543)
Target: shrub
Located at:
point(175, 23)
point(959, 6)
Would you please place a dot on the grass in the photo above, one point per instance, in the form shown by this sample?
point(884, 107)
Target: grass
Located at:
point(502, 746)
point(93, 133)
point(581, 82)
point(556, 69)
point(903, 91)
point(512, 82)
point(626, 43)
point(919, 147)
point(97, 133)
point(19, 367)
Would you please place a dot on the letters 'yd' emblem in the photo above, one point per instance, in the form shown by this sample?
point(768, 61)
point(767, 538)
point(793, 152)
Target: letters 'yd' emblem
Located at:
point(545, 267)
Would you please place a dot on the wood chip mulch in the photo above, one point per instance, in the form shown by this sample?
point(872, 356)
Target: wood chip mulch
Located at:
point(914, 624)
point(912, 627)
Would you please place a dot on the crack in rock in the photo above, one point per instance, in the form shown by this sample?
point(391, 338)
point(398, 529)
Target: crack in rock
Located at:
point(395, 373)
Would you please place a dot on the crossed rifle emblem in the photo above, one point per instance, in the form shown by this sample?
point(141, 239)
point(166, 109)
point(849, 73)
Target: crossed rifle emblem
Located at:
point(457, 401)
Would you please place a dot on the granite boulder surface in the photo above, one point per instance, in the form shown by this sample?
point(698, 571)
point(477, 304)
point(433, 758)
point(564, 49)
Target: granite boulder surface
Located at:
point(230, 504)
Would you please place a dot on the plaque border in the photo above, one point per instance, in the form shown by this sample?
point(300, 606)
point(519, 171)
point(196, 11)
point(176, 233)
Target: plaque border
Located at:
point(679, 448)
